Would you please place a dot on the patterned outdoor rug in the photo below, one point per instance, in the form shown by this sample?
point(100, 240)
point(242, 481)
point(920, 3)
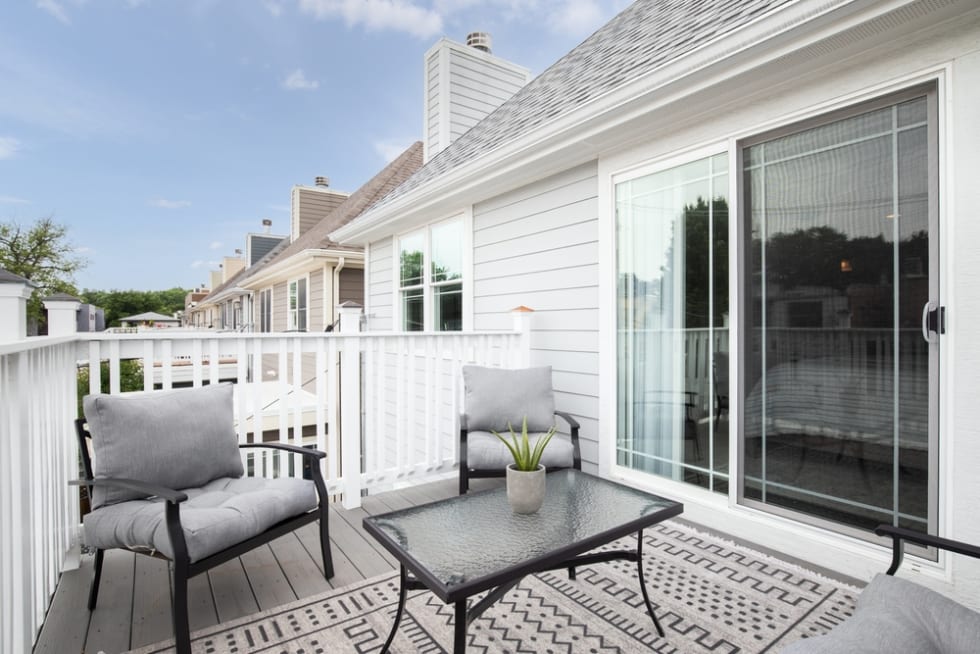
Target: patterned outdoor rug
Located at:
point(710, 595)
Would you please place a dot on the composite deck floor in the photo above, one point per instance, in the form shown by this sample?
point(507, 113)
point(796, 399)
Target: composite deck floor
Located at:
point(134, 607)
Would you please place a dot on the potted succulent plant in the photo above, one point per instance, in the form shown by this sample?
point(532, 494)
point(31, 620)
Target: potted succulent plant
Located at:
point(525, 476)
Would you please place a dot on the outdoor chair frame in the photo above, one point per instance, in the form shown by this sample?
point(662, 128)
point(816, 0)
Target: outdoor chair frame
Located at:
point(466, 473)
point(182, 568)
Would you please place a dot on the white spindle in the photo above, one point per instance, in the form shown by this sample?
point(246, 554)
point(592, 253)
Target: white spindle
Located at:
point(114, 371)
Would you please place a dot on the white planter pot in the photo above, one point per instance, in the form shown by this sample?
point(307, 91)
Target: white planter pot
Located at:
point(525, 490)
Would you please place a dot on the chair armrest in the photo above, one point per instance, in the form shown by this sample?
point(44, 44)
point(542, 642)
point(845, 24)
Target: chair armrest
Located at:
point(572, 422)
point(304, 451)
point(573, 429)
point(900, 534)
point(169, 494)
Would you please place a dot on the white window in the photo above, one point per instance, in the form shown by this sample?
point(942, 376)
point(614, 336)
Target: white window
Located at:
point(430, 281)
point(265, 310)
point(297, 307)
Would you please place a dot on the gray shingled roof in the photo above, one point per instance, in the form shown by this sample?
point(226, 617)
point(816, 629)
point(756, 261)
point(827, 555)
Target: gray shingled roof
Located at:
point(318, 236)
point(645, 36)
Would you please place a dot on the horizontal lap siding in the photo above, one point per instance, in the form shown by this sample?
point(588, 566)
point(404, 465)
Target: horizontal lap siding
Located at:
point(379, 286)
point(280, 300)
point(537, 246)
point(314, 318)
point(351, 286)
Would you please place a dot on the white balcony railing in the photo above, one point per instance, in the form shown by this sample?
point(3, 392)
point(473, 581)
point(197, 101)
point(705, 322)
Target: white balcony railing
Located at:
point(382, 406)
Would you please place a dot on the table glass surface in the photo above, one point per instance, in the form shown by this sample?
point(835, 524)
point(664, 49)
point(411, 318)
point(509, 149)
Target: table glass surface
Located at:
point(472, 536)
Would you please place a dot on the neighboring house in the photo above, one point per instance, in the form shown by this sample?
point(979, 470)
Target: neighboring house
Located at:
point(191, 301)
point(734, 221)
point(150, 319)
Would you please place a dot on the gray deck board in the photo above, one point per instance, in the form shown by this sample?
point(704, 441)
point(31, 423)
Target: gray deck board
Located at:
point(111, 622)
point(134, 606)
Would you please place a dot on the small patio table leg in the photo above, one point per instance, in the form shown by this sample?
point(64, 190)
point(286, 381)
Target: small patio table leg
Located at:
point(643, 585)
point(459, 632)
point(402, 592)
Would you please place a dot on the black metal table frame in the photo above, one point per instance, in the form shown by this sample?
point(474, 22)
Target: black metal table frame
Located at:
point(499, 583)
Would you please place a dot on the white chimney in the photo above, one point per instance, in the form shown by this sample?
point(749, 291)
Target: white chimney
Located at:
point(322, 182)
point(266, 225)
point(467, 76)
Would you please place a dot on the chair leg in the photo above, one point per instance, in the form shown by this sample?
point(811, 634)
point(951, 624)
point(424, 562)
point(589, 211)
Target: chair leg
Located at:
point(325, 546)
point(464, 480)
point(182, 630)
point(93, 593)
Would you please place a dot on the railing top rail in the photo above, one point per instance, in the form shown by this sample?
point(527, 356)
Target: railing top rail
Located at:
point(234, 336)
point(35, 343)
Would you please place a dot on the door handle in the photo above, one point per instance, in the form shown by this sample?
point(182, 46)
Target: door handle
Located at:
point(933, 320)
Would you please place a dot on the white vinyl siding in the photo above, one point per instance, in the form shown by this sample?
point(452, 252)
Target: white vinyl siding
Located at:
point(537, 247)
point(314, 320)
point(379, 286)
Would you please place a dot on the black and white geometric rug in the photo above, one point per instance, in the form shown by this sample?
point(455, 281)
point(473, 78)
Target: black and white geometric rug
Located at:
point(710, 595)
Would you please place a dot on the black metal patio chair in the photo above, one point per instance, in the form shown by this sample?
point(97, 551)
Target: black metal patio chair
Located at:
point(168, 481)
point(496, 399)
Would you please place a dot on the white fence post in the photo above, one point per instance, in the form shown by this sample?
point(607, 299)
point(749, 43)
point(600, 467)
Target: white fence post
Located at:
point(350, 404)
point(522, 324)
point(14, 293)
point(62, 314)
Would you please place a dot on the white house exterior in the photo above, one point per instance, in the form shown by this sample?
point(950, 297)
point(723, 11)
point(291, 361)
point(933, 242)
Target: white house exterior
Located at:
point(785, 401)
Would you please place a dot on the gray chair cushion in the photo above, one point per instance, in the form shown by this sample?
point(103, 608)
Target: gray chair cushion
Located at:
point(495, 397)
point(176, 439)
point(216, 516)
point(897, 615)
point(484, 451)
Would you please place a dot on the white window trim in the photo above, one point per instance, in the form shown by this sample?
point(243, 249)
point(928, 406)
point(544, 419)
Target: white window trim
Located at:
point(466, 218)
point(289, 311)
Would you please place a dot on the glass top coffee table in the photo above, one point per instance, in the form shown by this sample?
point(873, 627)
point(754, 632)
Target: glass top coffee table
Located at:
point(473, 543)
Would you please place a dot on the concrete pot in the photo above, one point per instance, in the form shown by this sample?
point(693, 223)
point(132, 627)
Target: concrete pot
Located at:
point(525, 490)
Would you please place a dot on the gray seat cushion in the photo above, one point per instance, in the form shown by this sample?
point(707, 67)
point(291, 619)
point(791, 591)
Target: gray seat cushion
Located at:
point(484, 451)
point(216, 516)
point(897, 615)
point(496, 397)
point(175, 439)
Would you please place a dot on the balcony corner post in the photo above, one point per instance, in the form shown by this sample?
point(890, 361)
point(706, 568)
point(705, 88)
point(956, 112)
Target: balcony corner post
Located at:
point(14, 293)
point(62, 314)
point(350, 404)
point(523, 317)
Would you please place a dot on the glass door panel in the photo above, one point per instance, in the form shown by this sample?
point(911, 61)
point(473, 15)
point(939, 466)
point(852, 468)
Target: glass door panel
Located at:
point(672, 322)
point(837, 373)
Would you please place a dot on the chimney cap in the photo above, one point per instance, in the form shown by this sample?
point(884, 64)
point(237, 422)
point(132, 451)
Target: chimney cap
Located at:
point(480, 41)
point(322, 181)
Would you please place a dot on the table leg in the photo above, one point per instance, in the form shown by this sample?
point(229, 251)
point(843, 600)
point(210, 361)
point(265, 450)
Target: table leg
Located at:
point(402, 592)
point(459, 632)
point(643, 586)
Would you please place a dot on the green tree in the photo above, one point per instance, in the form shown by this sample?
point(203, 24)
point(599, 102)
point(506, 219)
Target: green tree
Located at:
point(41, 253)
point(119, 304)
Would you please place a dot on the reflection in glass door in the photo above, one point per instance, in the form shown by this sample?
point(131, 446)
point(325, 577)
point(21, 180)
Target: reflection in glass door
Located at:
point(672, 322)
point(839, 382)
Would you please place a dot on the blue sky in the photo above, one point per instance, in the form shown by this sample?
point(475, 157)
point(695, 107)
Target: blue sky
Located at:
point(161, 131)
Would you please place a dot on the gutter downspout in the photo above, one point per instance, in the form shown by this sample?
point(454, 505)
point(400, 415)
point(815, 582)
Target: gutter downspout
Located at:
point(336, 287)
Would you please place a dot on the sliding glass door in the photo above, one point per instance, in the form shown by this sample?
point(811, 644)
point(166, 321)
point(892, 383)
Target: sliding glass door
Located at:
point(840, 364)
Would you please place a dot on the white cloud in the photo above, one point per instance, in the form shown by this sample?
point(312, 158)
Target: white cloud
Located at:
point(161, 203)
point(390, 149)
point(577, 17)
point(296, 81)
point(200, 263)
point(216, 245)
point(55, 9)
point(273, 7)
point(378, 15)
point(9, 199)
point(84, 249)
point(9, 147)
